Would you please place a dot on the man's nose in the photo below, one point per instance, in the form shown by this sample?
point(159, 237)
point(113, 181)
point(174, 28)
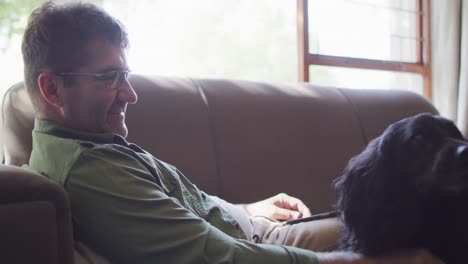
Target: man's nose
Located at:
point(127, 93)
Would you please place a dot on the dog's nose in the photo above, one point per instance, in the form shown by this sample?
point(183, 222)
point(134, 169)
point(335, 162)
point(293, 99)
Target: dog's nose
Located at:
point(462, 152)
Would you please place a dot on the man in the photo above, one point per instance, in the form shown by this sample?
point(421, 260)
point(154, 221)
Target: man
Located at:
point(126, 204)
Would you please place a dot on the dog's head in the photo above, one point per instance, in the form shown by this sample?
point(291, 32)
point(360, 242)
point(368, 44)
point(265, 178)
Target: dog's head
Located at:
point(427, 153)
point(384, 189)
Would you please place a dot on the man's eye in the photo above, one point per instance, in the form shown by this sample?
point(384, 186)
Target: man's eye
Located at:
point(108, 76)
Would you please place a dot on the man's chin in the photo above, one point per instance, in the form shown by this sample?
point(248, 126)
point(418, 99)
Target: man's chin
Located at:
point(116, 125)
point(120, 129)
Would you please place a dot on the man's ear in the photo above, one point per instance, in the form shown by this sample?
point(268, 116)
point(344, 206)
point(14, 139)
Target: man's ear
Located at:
point(49, 84)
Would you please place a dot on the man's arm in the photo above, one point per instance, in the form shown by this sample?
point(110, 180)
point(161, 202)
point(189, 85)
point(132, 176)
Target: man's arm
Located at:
point(131, 219)
point(124, 215)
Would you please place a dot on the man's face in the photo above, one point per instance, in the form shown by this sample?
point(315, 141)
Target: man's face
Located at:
point(91, 105)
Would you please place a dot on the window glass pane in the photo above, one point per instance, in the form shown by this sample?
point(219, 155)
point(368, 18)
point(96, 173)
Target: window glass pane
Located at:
point(13, 19)
point(365, 79)
point(371, 29)
point(240, 39)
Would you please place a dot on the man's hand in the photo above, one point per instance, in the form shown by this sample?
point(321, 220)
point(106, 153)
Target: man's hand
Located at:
point(278, 207)
point(419, 256)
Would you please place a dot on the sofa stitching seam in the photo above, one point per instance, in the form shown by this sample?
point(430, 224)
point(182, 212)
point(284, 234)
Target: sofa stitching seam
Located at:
point(212, 132)
point(356, 114)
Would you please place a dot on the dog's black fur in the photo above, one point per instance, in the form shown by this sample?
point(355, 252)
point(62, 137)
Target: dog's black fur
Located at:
point(408, 189)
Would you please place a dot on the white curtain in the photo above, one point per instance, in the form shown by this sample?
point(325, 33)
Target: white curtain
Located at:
point(449, 35)
point(462, 116)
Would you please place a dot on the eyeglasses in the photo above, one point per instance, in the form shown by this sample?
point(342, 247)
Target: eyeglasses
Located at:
point(113, 79)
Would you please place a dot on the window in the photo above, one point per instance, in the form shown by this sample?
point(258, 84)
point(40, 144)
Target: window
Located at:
point(238, 39)
point(365, 44)
point(258, 40)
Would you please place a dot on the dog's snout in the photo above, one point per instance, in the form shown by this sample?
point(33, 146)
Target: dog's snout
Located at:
point(462, 152)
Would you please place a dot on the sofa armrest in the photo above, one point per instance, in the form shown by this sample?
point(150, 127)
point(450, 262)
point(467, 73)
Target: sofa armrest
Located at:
point(35, 220)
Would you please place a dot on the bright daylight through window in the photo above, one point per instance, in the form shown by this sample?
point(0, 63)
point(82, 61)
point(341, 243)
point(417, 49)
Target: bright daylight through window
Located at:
point(246, 39)
point(241, 39)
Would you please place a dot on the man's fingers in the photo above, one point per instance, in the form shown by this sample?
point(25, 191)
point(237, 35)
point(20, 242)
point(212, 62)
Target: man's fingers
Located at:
point(292, 203)
point(285, 214)
point(304, 210)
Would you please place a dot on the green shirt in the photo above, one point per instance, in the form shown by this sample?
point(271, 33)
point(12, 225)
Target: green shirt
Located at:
point(134, 208)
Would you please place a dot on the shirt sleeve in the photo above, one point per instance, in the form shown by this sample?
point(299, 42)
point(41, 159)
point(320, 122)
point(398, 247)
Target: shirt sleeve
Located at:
point(241, 217)
point(124, 215)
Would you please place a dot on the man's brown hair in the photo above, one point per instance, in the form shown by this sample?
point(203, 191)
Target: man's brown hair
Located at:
point(57, 37)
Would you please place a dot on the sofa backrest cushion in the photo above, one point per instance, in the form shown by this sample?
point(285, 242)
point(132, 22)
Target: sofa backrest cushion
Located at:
point(171, 121)
point(280, 138)
point(18, 122)
point(244, 140)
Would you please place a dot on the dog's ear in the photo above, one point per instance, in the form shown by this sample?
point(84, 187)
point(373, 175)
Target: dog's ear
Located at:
point(360, 194)
point(360, 178)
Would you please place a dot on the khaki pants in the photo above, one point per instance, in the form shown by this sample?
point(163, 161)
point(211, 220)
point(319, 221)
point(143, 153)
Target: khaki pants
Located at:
point(318, 235)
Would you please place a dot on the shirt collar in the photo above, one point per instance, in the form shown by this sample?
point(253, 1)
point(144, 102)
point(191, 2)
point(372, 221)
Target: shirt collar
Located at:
point(52, 128)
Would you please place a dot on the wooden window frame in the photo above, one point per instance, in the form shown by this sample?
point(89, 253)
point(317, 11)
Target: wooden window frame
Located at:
point(422, 66)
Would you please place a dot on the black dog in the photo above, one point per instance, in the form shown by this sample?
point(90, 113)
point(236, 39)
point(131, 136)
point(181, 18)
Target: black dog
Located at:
point(408, 189)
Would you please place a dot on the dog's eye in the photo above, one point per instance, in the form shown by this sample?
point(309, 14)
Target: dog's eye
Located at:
point(419, 141)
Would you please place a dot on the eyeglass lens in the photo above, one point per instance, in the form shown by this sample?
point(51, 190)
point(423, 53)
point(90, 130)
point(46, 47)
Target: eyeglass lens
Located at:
point(116, 82)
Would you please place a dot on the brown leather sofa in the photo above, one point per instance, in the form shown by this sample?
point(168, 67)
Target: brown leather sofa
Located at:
point(240, 140)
